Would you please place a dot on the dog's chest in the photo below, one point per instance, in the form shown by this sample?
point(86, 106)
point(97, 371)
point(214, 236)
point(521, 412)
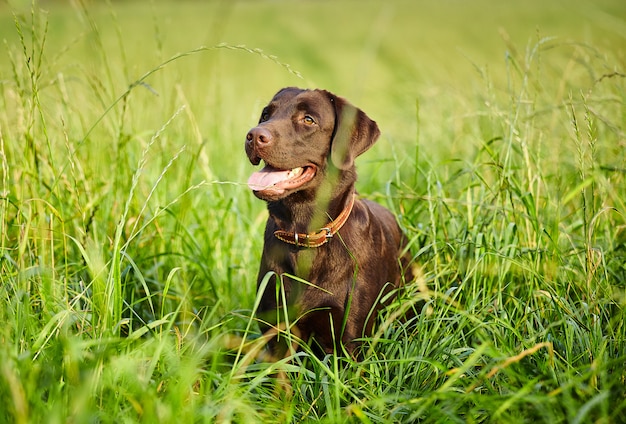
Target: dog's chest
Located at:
point(317, 276)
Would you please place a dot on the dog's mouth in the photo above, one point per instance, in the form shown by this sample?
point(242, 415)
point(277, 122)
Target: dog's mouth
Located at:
point(274, 181)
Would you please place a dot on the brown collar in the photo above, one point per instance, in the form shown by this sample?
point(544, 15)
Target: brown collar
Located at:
point(321, 236)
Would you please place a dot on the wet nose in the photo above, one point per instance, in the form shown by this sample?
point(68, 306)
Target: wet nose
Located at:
point(259, 136)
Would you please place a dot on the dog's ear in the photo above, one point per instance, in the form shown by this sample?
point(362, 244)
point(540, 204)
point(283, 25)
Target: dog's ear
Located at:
point(354, 133)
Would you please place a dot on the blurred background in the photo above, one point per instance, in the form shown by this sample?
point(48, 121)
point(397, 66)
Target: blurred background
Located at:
point(390, 58)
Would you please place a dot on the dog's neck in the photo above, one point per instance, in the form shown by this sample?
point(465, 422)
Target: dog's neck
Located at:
point(304, 212)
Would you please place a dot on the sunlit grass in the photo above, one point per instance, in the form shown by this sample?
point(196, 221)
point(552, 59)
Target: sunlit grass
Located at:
point(129, 244)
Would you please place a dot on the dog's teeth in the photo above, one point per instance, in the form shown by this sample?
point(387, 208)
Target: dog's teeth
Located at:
point(295, 172)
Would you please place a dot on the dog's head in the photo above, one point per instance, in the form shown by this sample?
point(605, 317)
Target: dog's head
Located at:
point(301, 135)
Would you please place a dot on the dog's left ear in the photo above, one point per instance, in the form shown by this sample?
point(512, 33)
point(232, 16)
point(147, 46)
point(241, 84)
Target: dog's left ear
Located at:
point(354, 133)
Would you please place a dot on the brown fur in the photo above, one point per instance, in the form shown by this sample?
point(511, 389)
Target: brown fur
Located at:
point(349, 274)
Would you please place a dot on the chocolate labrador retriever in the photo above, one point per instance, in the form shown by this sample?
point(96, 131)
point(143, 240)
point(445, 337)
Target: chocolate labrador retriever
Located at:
point(330, 257)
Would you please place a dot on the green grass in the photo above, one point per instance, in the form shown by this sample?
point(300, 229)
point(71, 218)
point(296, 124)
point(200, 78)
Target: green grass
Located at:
point(129, 242)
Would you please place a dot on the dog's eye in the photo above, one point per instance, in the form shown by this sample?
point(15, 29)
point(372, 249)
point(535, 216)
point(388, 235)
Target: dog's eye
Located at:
point(265, 116)
point(308, 120)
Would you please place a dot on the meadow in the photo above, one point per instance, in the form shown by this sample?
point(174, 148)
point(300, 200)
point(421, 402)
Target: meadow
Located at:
point(129, 241)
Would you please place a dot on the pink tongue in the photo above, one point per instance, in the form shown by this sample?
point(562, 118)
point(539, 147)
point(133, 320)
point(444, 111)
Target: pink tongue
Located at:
point(266, 178)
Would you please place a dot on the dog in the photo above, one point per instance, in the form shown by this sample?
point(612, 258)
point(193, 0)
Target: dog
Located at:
point(329, 258)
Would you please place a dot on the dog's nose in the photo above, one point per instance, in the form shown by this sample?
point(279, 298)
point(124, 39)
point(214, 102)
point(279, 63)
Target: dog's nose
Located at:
point(259, 136)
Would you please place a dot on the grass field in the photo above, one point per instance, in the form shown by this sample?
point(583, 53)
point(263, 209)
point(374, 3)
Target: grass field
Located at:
point(129, 242)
